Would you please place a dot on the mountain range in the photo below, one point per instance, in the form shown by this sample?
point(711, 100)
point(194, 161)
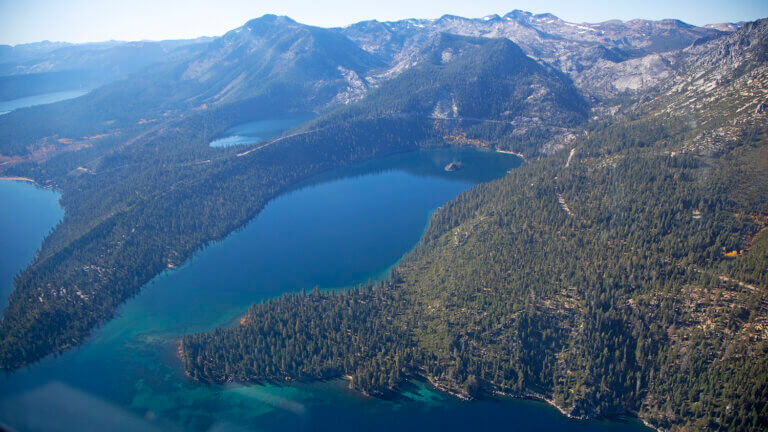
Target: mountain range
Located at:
point(318, 69)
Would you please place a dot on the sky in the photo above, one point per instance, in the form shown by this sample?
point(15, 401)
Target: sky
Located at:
point(24, 21)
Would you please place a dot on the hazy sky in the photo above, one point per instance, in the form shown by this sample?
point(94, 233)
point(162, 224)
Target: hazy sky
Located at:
point(23, 21)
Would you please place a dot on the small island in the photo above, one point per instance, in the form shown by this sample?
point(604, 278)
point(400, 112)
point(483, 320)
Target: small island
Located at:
point(454, 166)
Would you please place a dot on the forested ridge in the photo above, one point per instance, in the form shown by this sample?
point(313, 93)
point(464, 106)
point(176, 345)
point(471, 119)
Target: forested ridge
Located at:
point(627, 276)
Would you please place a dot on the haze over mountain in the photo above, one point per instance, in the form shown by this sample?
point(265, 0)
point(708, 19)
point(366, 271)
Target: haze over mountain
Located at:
point(53, 66)
point(317, 69)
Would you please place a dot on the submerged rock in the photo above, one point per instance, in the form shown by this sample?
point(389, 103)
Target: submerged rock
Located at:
point(454, 166)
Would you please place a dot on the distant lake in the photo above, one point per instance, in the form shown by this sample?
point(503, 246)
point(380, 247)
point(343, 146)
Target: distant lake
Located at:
point(256, 131)
point(41, 99)
point(339, 229)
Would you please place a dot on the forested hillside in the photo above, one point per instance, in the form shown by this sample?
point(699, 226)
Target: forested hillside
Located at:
point(476, 91)
point(627, 273)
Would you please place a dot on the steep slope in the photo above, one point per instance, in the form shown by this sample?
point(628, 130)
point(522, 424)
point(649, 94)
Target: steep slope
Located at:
point(271, 56)
point(305, 62)
point(593, 55)
point(477, 91)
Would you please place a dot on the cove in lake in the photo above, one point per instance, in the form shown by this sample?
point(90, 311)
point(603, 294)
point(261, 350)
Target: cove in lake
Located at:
point(41, 99)
point(338, 229)
point(256, 131)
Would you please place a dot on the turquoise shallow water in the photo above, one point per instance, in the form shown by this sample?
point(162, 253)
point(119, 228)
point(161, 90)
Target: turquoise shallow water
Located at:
point(41, 99)
point(341, 228)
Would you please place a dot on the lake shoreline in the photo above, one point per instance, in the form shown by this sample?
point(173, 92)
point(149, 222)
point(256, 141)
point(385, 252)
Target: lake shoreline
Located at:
point(452, 392)
point(533, 396)
point(518, 154)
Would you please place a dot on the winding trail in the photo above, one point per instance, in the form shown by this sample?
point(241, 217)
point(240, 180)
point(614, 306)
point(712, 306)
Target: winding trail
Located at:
point(570, 156)
point(727, 279)
point(561, 200)
point(276, 140)
point(738, 282)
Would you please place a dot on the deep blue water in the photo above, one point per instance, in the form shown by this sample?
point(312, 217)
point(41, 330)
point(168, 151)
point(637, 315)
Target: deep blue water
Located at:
point(41, 99)
point(256, 131)
point(339, 229)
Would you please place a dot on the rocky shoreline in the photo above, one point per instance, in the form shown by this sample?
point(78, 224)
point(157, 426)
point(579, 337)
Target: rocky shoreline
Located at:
point(531, 395)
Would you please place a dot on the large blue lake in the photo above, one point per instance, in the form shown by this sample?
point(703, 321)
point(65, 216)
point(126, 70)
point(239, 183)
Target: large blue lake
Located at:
point(341, 228)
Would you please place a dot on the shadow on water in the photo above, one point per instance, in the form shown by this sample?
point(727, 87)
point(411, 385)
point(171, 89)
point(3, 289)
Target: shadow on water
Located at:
point(256, 131)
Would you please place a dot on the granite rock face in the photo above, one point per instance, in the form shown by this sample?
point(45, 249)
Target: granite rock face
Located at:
point(603, 59)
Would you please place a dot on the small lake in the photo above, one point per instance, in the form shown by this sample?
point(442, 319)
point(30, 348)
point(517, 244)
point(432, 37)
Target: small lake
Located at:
point(257, 131)
point(41, 99)
point(339, 229)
